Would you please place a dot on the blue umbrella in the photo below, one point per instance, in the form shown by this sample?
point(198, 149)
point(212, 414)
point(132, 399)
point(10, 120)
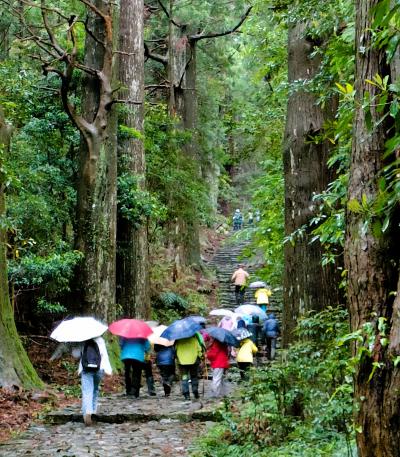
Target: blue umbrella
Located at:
point(241, 334)
point(223, 335)
point(183, 328)
point(198, 319)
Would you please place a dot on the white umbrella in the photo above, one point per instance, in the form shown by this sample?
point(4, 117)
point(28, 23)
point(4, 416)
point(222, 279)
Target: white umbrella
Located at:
point(221, 312)
point(155, 337)
point(257, 285)
point(78, 329)
point(250, 310)
point(152, 324)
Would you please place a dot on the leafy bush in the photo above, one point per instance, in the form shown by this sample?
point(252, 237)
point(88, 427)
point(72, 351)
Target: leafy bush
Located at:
point(49, 277)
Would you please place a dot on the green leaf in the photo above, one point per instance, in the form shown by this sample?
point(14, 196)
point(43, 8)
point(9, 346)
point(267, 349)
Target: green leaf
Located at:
point(354, 206)
point(385, 224)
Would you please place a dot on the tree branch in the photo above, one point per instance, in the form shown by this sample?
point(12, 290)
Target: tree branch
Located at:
point(200, 36)
point(168, 15)
point(156, 57)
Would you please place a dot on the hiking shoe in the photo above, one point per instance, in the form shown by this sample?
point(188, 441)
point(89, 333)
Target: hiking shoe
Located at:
point(87, 419)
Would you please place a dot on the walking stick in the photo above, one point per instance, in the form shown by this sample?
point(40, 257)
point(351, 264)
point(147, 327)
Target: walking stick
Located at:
point(205, 376)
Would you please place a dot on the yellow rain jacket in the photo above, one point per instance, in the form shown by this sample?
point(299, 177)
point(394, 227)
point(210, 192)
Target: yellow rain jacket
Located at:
point(188, 350)
point(262, 295)
point(246, 351)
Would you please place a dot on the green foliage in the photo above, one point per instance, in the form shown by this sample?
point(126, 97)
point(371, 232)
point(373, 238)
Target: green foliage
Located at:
point(49, 277)
point(136, 205)
point(171, 175)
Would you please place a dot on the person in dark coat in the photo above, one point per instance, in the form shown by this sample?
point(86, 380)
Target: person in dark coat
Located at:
point(255, 329)
point(165, 360)
point(271, 331)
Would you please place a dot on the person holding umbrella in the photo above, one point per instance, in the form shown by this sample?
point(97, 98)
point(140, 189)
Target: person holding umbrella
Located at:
point(165, 357)
point(133, 334)
point(262, 297)
point(83, 336)
point(244, 357)
point(218, 355)
point(188, 352)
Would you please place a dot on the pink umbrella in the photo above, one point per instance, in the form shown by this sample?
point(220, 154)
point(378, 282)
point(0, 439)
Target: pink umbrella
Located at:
point(130, 328)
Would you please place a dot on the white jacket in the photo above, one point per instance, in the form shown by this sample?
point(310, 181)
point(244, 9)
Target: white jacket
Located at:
point(105, 361)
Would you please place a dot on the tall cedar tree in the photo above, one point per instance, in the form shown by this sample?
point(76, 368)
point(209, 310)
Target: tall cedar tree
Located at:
point(372, 261)
point(132, 256)
point(307, 284)
point(97, 182)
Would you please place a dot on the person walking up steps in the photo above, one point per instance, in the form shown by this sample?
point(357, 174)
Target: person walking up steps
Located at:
point(244, 357)
point(93, 364)
point(239, 278)
point(271, 332)
point(262, 297)
point(218, 355)
point(237, 220)
point(133, 353)
point(188, 354)
point(165, 360)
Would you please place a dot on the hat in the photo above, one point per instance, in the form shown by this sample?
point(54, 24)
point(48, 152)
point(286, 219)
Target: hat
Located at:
point(237, 210)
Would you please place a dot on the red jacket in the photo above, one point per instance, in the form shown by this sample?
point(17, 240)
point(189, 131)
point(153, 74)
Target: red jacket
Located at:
point(218, 355)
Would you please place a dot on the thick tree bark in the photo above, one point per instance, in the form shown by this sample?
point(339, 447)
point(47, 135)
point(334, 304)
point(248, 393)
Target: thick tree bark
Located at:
point(132, 257)
point(372, 262)
point(96, 221)
point(307, 285)
point(15, 367)
point(183, 103)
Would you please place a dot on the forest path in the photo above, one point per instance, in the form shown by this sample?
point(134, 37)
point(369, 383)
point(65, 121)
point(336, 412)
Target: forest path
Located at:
point(127, 427)
point(124, 427)
point(225, 262)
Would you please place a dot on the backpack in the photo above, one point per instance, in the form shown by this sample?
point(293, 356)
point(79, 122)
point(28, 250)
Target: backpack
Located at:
point(91, 357)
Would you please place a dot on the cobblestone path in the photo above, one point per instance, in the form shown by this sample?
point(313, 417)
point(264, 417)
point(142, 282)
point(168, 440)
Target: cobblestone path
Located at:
point(124, 427)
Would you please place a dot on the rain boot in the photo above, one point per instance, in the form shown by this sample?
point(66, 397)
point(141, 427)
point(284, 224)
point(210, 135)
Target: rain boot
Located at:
point(150, 386)
point(195, 387)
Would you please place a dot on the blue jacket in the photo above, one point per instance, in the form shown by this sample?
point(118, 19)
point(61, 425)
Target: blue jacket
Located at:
point(134, 348)
point(164, 355)
point(271, 327)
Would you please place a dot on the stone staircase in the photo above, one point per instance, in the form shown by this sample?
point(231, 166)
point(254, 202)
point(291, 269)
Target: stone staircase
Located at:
point(225, 262)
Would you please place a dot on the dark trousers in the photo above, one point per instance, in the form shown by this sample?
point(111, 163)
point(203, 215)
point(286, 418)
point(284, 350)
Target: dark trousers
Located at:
point(167, 373)
point(243, 369)
point(271, 347)
point(190, 371)
point(148, 372)
point(239, 294)
point(133, 376)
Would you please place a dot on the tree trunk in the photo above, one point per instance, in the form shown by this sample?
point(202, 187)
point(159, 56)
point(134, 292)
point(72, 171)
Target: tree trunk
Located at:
point(15, 366)
point(372, 262)
point(132, 258)
point(183, 103)
point(96, 221)
point(307, 285)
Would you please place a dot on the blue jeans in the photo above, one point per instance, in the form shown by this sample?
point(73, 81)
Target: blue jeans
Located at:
point(90, 381)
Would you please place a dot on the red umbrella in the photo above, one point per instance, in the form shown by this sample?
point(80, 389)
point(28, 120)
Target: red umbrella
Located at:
point(130, 328)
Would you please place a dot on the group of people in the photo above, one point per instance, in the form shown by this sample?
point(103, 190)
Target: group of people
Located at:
point(240, 278)
point(191, 355)
point(251, 218)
